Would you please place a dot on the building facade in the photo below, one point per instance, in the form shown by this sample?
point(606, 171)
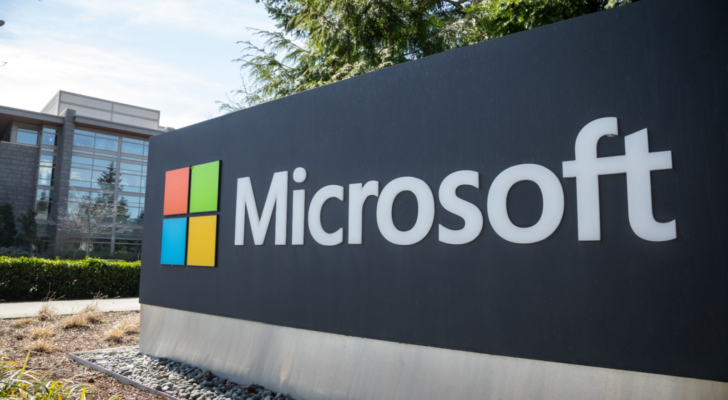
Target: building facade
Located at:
point(79, 153)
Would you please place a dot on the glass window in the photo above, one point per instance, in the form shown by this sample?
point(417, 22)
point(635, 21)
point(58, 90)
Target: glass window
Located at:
point(131, 183)
point(131, 168)
point(104, 175)
point(50, 130)
point(103, 180)
point(81, 161)
point(46, 160)
point(130, 140)
point(131, 158)
point(50, 139)
point(107, 144)
point(100, 163)
point(104, 233)
point(130, 216)
point(79, 195)
point(83, 141)
point(26, 136)
point(43, 203)
point(45, 176)
point(132, 201)
point(84, 152)
point(44, 194)
point(101, 135)
point(127, 233)
point(146, 150)
point(81, 177)
point(132, 148)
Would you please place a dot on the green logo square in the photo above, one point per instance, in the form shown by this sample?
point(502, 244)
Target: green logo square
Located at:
point(204, 187)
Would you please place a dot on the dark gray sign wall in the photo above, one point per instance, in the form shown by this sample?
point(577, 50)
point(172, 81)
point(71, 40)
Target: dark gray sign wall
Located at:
point(621, 302)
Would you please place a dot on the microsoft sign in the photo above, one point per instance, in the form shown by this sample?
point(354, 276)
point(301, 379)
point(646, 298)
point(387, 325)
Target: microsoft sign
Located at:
point(539, 216)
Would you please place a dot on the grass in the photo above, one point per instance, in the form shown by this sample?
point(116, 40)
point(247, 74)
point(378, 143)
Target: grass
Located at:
point(42, 345)
point(48, 311)
point(74, 321)
point(127, 325)
point(114, 334)
point(20, 383)
point(20, 323)
point(44, 331)
point(92, 313)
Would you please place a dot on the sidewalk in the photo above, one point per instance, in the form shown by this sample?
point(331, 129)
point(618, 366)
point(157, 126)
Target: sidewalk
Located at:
point(64, 307)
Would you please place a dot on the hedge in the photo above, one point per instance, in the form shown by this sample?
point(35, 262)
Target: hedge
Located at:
point(23, 278)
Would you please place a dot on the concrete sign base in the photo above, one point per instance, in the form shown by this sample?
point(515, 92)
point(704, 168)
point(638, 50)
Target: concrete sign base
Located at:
point(324, 366)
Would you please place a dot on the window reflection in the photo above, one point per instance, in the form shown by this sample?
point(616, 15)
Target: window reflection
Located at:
point(50, 139)
point(83, 141)
point(27, 136)
point(94, 177)
point(106, 144)
point(43, 203)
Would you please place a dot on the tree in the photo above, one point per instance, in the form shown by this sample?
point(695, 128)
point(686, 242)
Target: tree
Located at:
point(107, 181)
point(88, 219)
point(29, 235)
point(94, 216)
point(324, 41)
point(8, 232)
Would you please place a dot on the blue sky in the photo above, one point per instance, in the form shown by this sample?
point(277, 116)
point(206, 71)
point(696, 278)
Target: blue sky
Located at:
point(168, 55)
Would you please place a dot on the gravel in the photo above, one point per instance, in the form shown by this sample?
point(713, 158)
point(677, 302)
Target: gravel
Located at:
point(177, 379)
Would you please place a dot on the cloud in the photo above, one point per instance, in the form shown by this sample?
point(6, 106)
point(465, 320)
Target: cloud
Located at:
point(222, 18)
point(35, 73)
point(172, 56)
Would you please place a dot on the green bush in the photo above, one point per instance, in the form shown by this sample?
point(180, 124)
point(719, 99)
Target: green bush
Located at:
point(25, 278)
point(14, 252)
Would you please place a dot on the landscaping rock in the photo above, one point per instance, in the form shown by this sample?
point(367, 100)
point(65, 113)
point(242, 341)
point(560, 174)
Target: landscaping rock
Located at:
point(179, 380)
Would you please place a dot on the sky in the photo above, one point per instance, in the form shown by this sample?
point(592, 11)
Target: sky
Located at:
point(168, 55)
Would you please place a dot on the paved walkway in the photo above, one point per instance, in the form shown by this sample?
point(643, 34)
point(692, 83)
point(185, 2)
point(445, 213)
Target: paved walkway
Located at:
point(64, 307)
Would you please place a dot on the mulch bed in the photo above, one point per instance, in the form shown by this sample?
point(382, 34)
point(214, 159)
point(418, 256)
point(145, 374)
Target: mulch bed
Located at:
point(16, 340)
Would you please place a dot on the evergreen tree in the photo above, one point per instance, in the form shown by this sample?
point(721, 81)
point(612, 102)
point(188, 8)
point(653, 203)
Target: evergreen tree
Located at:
point(107, 180)
point(29, 236)
point(42, 206)
point(8, 232)
point(324, 41)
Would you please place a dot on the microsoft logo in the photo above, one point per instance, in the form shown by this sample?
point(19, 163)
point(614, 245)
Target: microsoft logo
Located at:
point(189, 239)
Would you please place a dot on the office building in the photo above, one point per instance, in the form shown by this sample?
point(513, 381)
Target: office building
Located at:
point(78, 152)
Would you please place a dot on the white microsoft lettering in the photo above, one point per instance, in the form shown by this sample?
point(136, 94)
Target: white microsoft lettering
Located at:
point(467, 211)
point(277, 198)
point(637, 163)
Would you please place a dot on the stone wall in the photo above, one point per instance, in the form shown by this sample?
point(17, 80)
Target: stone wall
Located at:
point(18, 175)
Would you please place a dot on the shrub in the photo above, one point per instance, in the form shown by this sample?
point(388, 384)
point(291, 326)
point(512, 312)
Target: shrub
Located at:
point(7, 225)
point(23, 278)
point(14, 252)
point(44, 331)
point(47, 311)
point(127, 325)
point(114, 334)
point(74, 321)
point(42, 345)
point(92, 313)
